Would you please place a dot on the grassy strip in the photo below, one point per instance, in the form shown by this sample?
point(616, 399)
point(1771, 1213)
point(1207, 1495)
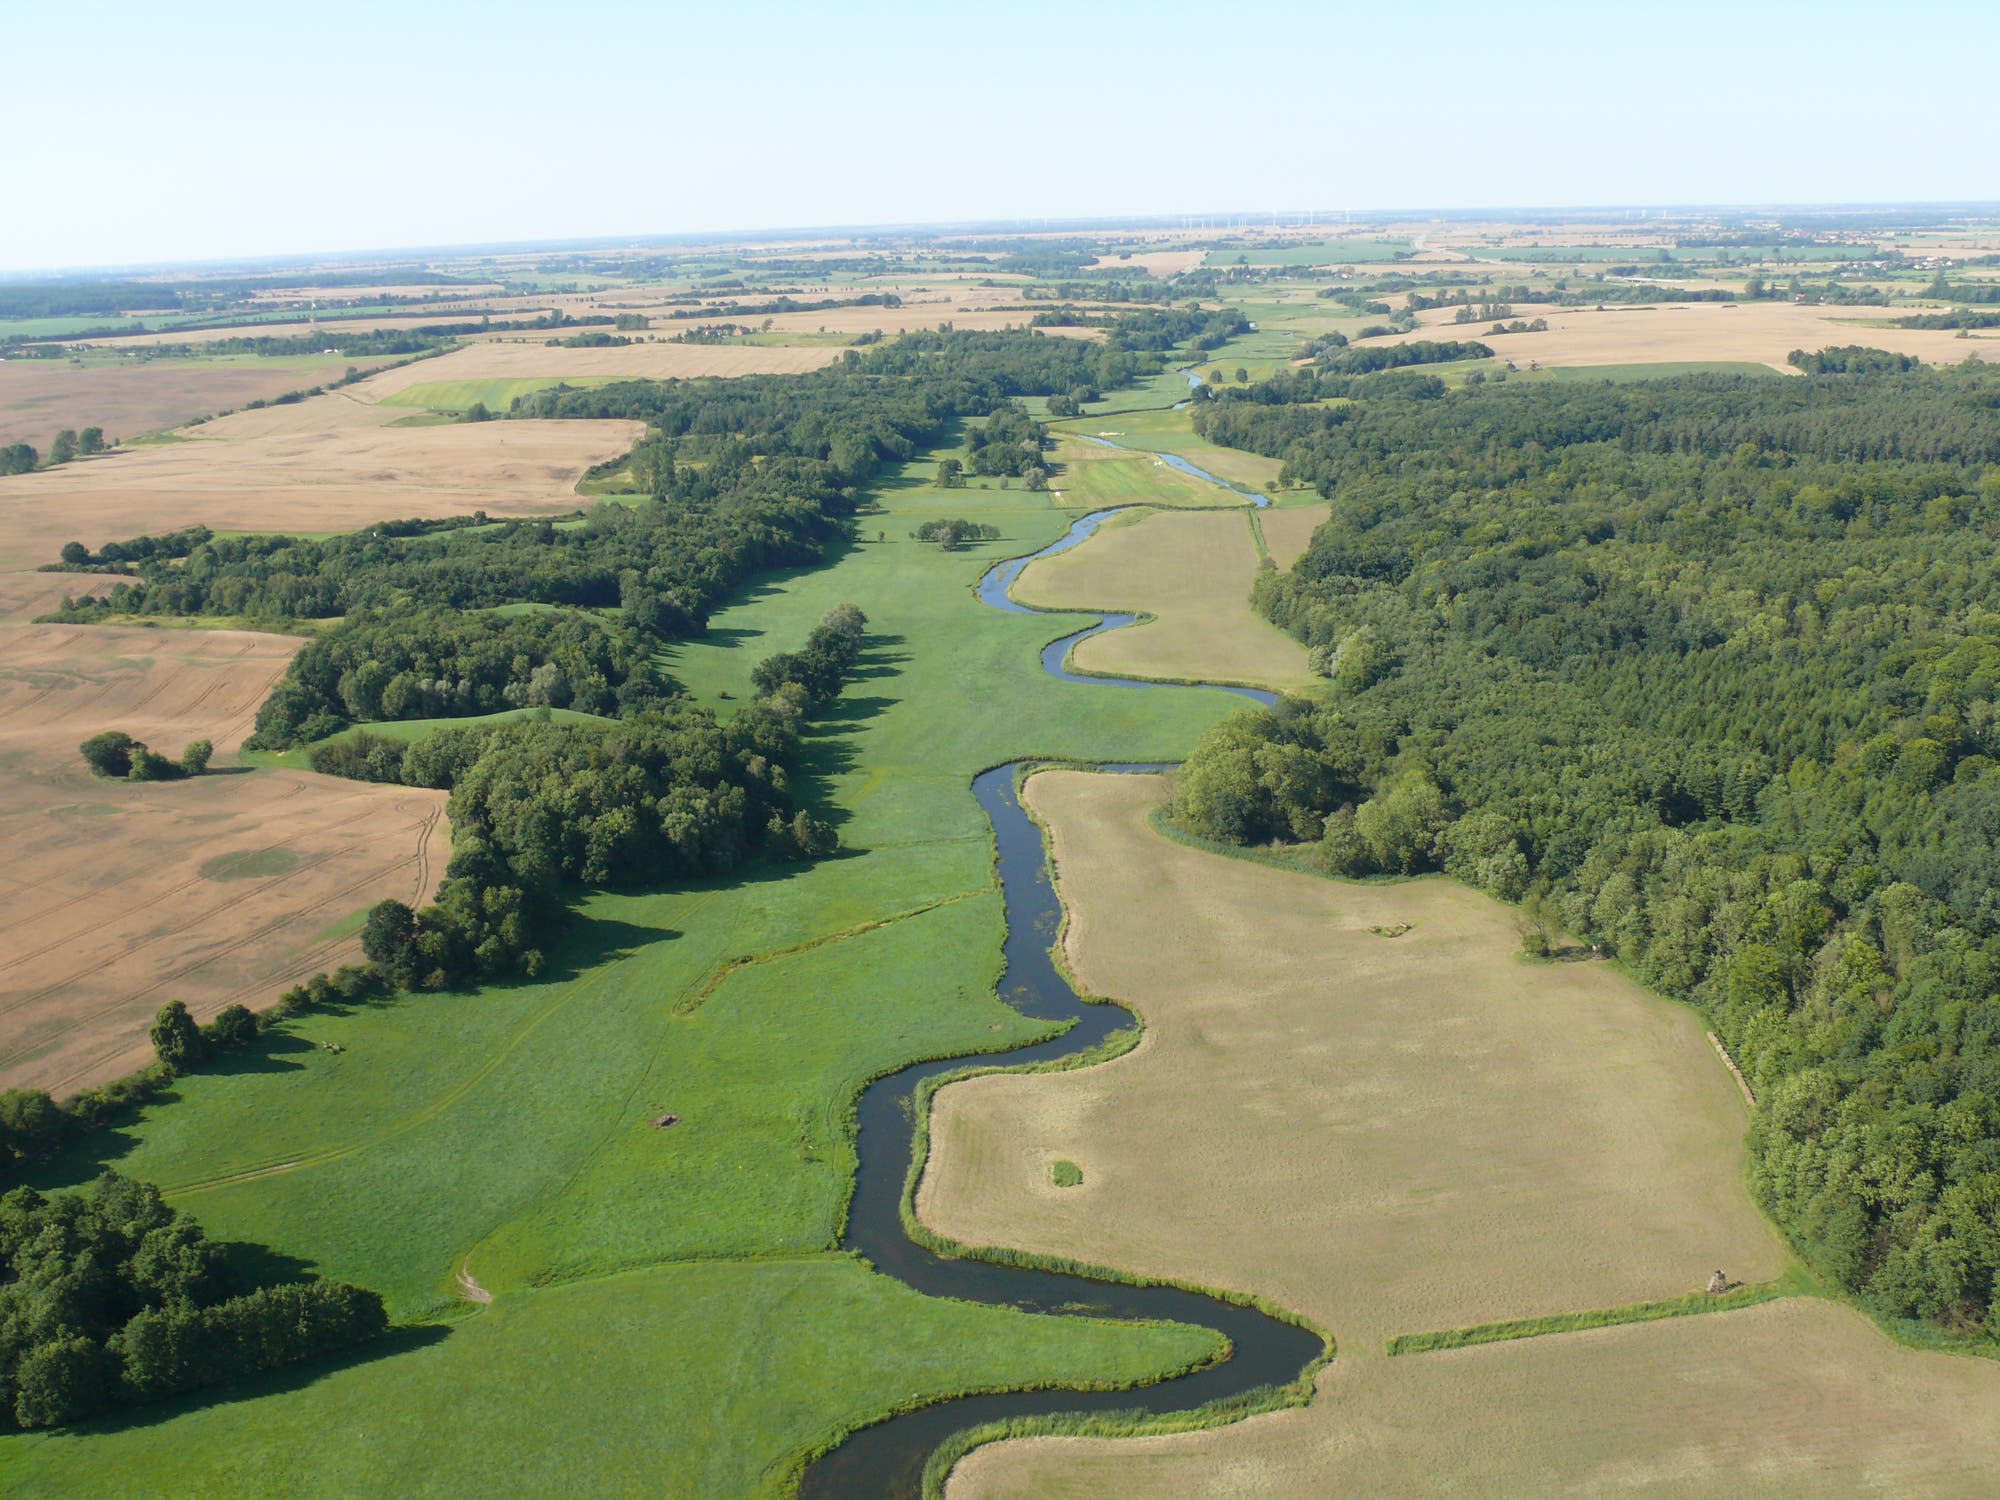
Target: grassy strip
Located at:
point(1257, 536)
point(689, 1003)
point(1793, 1283)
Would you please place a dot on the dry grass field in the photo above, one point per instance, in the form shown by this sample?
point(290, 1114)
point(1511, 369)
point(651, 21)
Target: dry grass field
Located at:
point(1288, 531)
point(1424, 1132)
point(1388, 1135)
point(1753, 332)
point(1792, 1400)
point(39, 397)
point(1190, 568)
point(227, 888)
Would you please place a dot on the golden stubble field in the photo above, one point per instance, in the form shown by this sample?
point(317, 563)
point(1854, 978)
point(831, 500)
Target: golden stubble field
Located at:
point(493, 359)
point(293, 469)
point(1792, 1400)
point(224, 889)
point(1744, 332)
point(38, 397)
point(1399, 1135)
point(1192, 570)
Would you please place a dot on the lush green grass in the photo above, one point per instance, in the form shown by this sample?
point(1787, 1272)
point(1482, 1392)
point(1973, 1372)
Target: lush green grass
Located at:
point(1794, 1283)
point(1162, 390)
point(1173, 432)
point(513, 1126)
point(496, 393)
point(675, 1381)
point(1088, 482)
point(1626, 373)
point(1065, 1174)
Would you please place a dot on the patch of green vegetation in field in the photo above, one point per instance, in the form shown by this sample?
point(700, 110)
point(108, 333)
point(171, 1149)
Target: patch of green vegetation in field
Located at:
point(671, 1297)
point(249, 864)
point(1065, 1174)
point(347, 927)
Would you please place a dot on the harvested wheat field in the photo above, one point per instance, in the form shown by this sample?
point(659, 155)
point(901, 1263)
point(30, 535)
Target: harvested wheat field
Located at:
point(493, 359)
point(1386, 1135)
point(1287, 532)
point(39, 397)
point(1790, 1400)
point(227, 888)
point(321, 478)
point(1192, 569)
point(1677, 332)
point(1160, 263)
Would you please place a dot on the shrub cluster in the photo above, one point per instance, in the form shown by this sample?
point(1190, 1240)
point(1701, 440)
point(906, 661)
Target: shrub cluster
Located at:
point(115, 754)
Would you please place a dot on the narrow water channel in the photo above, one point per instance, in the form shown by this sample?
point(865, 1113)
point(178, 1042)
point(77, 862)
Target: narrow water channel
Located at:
point(887, 1459)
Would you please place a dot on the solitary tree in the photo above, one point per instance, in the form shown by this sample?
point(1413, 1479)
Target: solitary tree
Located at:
point(176, 1039)
point(194, 759)
point(389, 934)
point(63, 449)
point(90, 440)
point(18, 458)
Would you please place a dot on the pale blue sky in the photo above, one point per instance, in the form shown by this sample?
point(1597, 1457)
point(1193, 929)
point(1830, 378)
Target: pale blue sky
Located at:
point(134, 132)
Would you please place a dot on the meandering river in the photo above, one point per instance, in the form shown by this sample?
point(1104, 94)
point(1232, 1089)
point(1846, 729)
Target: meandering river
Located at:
point(888, 1458)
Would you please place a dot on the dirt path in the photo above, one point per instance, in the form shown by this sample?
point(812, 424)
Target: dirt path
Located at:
point(471, 1290)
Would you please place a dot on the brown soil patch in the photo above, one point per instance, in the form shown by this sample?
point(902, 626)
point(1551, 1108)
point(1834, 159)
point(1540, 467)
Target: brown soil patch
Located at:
point(1192, 569)
point(39, 397)
point(1387, 1137)
point(117, 897)
point(1287, 532)
point(1784, 1401)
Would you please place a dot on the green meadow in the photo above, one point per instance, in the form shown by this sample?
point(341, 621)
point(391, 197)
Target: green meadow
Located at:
point(670, 1309)
point(495, 393)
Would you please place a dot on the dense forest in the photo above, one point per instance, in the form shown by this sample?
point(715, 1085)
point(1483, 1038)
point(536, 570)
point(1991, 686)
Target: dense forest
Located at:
point(1704, 669)
point(109, 1297)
